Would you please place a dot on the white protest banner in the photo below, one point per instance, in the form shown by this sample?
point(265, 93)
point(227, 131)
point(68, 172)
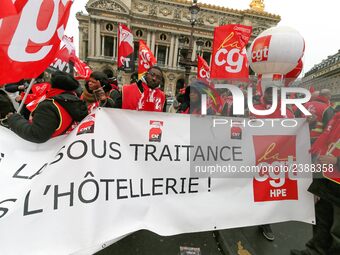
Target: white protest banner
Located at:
point(122, 171)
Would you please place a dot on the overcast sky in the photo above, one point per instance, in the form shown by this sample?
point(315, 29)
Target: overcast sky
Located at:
point(317, 21)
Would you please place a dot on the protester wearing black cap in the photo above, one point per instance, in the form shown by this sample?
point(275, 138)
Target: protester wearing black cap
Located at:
point(53, 116)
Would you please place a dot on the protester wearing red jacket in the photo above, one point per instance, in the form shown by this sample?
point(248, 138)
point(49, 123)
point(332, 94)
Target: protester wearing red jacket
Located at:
point(145, 95)
point(322, 113)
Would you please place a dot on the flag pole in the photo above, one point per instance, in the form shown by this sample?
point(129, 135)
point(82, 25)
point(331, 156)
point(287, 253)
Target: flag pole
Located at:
point(25, 97)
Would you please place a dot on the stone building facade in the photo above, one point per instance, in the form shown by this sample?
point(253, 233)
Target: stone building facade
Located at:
point(325, 75)
point(159, 23)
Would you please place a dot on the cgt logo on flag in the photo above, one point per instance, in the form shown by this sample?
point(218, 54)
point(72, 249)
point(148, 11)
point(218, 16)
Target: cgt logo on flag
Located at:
point(87, 127)
point(273, 155)
point(155, 133)
point(260, 49)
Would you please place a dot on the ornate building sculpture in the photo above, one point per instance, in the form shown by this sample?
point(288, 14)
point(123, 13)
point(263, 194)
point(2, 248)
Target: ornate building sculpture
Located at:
point(325, 75)
point(159, 23)
point(257, 5)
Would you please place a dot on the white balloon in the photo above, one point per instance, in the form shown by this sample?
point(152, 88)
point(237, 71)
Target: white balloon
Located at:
point(276, 51)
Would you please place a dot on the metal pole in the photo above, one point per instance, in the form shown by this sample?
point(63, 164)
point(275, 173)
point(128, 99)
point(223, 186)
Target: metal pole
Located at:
point(25, 97)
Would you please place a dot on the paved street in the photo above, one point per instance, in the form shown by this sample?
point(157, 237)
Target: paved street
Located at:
point(243, 241)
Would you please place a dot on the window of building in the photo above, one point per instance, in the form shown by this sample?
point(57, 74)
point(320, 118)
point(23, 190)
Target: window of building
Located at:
point(108, 46)
point(161, 55)
point(163, 37)
point(208, 44)
point(109, 27)
point(206, 56)
point(139, 33)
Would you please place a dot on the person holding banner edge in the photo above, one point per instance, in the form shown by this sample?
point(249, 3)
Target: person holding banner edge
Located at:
point(54, 115)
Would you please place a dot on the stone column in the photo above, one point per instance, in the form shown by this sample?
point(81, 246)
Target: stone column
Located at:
point(97, 38)
point(166, 56)
point(91, 37)
point(153, 41)
point(148, 38)
point(103, 45)
point(81, 44)
point(156, 52)
point(174, 63)
point(171, 53)
point(115, 53)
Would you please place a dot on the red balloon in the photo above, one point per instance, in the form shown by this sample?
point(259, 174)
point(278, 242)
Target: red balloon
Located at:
point(292, 75)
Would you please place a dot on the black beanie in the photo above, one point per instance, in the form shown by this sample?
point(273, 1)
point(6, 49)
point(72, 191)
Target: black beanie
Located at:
point(64, 81)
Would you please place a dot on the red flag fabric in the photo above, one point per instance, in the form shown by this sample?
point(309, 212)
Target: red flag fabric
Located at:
point(7, 8)
point(30, 39)
point(145, 59)
point(229, 57)
point(292, 75)
point(125, 46)
point(65, 55)
point(203, 69)
point(83, 71)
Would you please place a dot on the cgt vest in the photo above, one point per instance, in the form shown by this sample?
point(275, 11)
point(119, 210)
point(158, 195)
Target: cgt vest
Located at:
point(66, 120)
point(131, 97)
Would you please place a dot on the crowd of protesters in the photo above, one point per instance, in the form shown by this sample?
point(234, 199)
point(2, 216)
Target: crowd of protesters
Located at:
point(57, 107)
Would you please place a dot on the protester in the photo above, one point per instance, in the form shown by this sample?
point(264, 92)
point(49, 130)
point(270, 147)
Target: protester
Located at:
point(6, 105)
point(97, 91)
point(191, 100)
point(114, 92)
point(321, 111)
point(326, 232)
point(53, 116)
point(145, 94)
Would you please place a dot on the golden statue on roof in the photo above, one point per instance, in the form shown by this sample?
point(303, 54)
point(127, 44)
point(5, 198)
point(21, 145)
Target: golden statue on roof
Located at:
point(257, 5)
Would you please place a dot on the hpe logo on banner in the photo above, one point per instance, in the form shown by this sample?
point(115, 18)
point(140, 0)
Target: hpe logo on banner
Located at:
point(238, 100)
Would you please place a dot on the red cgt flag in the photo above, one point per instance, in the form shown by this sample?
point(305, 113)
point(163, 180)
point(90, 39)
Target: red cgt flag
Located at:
point(203, 69)
point(83, 71)
point(8, 8)
point(65, 55)
point(125, 47)
point(30, 39)
point(229, 57)
point(145, 59)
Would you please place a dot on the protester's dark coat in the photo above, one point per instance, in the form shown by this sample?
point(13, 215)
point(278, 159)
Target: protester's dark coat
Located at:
point(46, 118)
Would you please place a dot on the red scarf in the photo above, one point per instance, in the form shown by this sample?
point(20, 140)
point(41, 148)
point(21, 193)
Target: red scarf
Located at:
point(151, 99)
point(49, 93)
